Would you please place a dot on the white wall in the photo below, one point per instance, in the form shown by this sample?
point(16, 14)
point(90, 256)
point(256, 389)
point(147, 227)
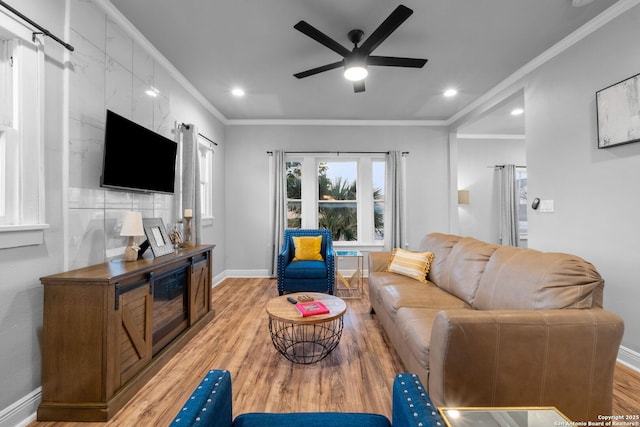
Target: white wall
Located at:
point(595, 191)
point(20, 268)
point(247, 202)
point(480, 218)
point(108, 69)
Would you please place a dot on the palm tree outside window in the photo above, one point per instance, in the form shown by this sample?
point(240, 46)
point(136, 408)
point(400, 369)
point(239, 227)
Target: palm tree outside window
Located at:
point(344, 194)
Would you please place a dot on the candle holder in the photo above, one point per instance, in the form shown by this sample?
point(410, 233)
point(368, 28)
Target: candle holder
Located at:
point(187, 232)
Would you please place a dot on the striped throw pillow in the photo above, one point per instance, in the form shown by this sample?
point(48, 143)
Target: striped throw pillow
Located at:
point(412, 264)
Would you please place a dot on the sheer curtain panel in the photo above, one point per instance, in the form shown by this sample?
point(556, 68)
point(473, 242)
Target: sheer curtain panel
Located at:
point(395, 223)
point(278, 206)
point(509, 234)
point(191, 197)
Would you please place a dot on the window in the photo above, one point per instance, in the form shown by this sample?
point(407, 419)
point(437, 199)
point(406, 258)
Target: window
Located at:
point(205, 151)
point(337, 199)
point(6, 130)
point(344, 194)
point(294, 194)
point(378, 179)
point(521, 185)
point(21, 136)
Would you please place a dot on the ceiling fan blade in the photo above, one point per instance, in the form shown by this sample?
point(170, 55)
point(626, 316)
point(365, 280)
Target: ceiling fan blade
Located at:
point(388, 26)
point(321, 69)
point(358, 86)
point(392, 61)
point(321, 38)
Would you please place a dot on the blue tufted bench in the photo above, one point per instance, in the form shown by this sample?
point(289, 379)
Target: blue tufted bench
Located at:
point(210, 405)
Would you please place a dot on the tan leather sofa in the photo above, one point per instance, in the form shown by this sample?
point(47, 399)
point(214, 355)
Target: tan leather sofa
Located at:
point(501, 326)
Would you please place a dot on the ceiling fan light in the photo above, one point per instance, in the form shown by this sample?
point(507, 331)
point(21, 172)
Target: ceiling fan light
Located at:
point(355, 73)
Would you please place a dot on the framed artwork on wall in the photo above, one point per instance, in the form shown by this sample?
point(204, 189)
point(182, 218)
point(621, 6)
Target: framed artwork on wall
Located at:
point(157, 236)
point(618, 110)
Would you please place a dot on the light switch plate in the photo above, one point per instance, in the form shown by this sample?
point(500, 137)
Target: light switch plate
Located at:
point(546, 205)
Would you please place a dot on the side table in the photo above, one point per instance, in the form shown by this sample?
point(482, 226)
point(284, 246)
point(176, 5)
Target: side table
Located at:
point(352, 286)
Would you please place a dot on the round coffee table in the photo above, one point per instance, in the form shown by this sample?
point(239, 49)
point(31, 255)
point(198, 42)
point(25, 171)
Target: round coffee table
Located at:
point(308, 339)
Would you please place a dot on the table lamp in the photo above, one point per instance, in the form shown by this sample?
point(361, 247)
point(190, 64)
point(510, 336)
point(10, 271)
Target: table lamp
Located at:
point(132, 227)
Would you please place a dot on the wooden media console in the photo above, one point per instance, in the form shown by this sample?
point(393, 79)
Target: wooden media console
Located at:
point(109, 328)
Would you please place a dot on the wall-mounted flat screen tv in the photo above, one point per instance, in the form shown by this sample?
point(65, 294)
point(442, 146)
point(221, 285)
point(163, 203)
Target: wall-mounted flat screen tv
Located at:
point(136, 158)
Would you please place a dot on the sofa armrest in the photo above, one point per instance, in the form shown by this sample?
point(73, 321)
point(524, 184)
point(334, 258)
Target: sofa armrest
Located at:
point(378, 261)
point(561, 358)
point(411, 405)
point(209, 404)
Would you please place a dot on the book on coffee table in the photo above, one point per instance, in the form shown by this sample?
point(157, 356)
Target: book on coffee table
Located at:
point(311, 308)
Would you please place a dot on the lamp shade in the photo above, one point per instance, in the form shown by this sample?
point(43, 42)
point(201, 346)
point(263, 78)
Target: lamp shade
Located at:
point(132, 225)
point(463, 197)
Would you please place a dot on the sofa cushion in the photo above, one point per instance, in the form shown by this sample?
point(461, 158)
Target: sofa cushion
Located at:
point(312, 419)
point(464, 267)
point(526, 279)
point(306, 270)
point(416, 294)
point(440, 244)
point(411, 264)
point(414, 325)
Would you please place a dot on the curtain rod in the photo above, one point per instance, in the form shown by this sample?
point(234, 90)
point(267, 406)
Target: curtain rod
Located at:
point(199, 134)
point(338, 152)
point(501, 166)
point(43, 30)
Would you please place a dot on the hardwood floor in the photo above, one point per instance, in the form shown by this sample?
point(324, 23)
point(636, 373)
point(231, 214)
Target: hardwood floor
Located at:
point(626, 391)
point(357, 376)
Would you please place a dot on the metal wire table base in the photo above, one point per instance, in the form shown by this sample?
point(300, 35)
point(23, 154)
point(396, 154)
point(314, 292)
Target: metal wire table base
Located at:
point(307, 343)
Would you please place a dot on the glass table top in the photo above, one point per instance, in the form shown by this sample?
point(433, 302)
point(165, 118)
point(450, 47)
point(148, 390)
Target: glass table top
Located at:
point(503, 417)
point(348, 253)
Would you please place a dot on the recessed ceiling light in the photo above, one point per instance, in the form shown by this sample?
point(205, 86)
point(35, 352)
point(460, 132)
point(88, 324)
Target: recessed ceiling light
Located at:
point(237, 92)
point(517, 111)
point(450, 92)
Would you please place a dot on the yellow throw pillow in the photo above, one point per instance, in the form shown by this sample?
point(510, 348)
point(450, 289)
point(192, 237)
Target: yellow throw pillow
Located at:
point(307, 248)
point(412, 264)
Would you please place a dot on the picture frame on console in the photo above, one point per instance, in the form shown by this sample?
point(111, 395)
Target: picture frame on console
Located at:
point(157, 236)
point(618, 113)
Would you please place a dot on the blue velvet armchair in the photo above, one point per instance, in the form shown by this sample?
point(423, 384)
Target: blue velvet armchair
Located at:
point(210, 405)
point(306, 276)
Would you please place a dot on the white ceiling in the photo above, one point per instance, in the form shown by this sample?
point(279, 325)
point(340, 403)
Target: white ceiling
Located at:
point(471, 45)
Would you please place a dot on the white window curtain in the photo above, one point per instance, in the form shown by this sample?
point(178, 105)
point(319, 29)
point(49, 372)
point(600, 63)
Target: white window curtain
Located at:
point(191, 198)
point(509, 228)
point(278, 206)
point(394, 216)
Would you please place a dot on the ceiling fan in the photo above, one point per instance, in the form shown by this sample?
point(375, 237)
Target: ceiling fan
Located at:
point(356, 60)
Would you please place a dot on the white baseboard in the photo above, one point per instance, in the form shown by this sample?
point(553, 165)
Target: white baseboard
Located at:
point(629, 358)
point(261, 274)
point(22, 412)
point(248, 273)
point(218, 279)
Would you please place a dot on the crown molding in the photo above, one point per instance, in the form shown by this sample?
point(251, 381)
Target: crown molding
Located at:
point(603, 18)
point(489, 136)
point(329, 122)
point(596, 23)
